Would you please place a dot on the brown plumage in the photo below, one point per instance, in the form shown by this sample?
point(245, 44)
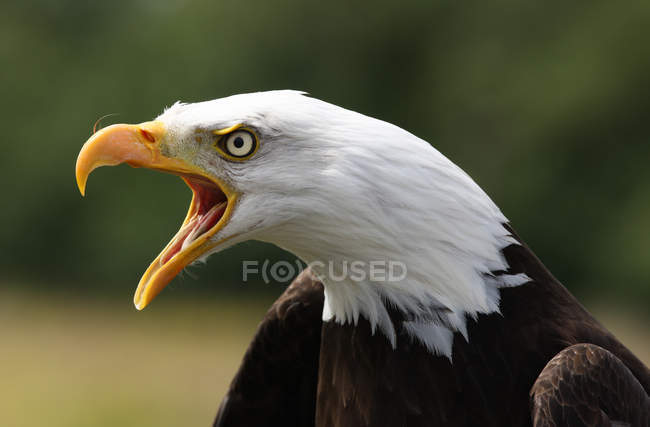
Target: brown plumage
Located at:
point(276, 383)
point(300, 371)
point(587, 385)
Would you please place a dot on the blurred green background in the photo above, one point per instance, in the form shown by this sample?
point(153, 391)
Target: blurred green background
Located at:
point(545, 104)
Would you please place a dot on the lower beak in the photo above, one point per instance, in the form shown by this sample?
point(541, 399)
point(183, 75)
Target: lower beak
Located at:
point(211, 206)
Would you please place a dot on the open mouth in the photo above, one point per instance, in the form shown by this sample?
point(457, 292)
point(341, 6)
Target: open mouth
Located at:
point(206, 209)
point(209, 212)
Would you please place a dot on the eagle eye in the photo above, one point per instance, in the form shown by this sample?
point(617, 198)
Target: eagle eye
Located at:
point(238, 145)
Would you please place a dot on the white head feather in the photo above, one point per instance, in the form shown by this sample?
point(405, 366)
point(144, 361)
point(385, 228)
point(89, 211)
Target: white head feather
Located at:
point(334, 186)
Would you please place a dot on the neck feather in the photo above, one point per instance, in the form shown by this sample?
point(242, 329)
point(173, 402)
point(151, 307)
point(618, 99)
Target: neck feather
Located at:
point(384, 196)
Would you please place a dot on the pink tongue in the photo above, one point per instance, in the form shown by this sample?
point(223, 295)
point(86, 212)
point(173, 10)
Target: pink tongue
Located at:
point(193, 230)
point(176, 247)
point(210, 219)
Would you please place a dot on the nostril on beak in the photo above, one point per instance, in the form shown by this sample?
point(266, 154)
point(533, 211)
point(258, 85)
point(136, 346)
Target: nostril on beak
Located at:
point(147, 135)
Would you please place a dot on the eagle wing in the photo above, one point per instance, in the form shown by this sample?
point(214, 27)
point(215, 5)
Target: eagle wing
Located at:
point(277, 380)
point(586, 385)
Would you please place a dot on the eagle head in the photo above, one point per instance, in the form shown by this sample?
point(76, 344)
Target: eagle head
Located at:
point(259, 165)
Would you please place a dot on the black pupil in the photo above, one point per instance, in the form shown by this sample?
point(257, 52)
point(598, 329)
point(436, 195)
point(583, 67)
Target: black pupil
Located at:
point(239, 142)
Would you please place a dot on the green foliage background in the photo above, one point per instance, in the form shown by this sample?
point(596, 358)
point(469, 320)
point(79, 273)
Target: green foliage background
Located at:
point(545, 104)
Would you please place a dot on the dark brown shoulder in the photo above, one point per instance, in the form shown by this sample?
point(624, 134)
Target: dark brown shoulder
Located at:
point(276, 383)
point(561, 320)
point(586, 385)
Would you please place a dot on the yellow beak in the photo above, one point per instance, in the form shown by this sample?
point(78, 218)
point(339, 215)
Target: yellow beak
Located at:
point(139, 146)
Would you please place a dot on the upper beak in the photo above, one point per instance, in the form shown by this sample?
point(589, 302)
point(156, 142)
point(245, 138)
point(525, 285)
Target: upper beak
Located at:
point(136, 145)
point(212, 203)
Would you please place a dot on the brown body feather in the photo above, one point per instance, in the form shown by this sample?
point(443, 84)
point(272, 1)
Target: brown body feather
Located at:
point(587, 385)
point(300, 371)
point(276, 383)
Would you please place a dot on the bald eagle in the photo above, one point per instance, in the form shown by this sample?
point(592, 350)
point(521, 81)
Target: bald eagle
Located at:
point(474, 330)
